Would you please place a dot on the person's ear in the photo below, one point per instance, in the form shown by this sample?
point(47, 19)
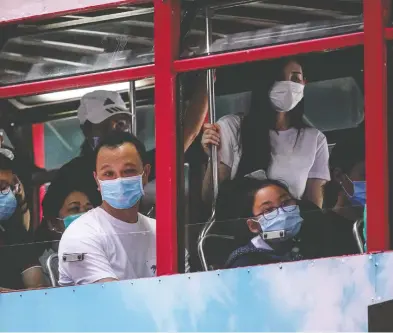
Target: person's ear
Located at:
point(146, 173)
point(253, 226)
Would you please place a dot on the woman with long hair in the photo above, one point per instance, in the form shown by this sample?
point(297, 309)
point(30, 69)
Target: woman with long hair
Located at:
point(272, 137)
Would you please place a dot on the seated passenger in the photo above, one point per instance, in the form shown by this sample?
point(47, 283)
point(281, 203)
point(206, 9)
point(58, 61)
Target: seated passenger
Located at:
point(63, 203)
point(20, 268)
point(113, 241)
point(101, 112)
point(279, 227)
point(273, 137)
point(345, 194)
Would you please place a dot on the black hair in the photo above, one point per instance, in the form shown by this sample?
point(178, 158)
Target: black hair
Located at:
point(345, 155)
point(235, 201)
point(59, 190)
point(117, 138)
point(86, 148)
point(256, 125)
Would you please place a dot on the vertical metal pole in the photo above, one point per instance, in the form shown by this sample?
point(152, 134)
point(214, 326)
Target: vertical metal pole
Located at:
point(375, 84)
point(212, 104)
point(166, 40)
point(132, 99)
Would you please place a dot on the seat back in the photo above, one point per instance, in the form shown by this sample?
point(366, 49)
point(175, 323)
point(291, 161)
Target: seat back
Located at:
point(52, 265)
point(358, 234)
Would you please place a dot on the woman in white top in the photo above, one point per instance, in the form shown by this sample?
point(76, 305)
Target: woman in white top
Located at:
point(272, 137)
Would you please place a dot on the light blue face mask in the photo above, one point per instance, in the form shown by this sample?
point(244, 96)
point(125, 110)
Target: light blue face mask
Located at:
point(8, 204)
point(70, 218)
point(122, 193)
point(281, 225)
point(359, 192)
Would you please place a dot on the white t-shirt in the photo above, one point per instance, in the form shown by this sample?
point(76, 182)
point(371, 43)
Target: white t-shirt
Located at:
point(292, 161)
point(112, 249)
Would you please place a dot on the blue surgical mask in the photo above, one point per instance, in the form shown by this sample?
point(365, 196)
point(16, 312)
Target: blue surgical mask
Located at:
point(359, 192)
point(122, 193)
point(8, 205)
point(70, 218)
point(281, 225)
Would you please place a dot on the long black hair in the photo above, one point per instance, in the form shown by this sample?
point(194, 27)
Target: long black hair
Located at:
point(255, 126)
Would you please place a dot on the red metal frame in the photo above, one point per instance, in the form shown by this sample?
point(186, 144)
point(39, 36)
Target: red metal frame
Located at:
point(166, 35)
point(269, 52)
point(38, 139)
point(48, 15)
point(375, 85)
point(79, 81)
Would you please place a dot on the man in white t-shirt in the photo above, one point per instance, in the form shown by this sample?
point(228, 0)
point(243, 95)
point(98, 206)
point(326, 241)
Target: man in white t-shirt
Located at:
point(112, 242)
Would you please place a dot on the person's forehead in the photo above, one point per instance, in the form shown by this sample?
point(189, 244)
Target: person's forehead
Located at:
point(6, 175)
point(293, 67)
point(125, 153)
point(75, 196)
point(269, 193)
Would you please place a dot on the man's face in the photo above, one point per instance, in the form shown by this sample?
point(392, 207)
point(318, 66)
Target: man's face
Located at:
point(120, 162)
point(118, 122)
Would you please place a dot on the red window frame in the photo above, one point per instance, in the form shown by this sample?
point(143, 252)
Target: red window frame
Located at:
point(165, 70)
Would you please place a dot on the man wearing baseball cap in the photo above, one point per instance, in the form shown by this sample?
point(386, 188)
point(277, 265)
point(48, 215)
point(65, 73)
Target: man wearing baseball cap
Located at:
point(101, 112)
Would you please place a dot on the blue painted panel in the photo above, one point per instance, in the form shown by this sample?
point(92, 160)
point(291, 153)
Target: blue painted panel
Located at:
point(325, 295)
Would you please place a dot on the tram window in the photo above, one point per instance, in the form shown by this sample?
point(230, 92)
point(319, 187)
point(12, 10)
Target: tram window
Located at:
point(333, 109)
point(329, 104)
point(68, 46)
point(63, 137)
point(259, 23)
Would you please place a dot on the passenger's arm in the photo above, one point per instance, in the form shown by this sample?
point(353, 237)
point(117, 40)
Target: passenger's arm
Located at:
point(222, 136)
point(106, 280)
point(93, 268)
point(195, 113)
point(33, 278)
point(224, 172)
point(314, 191)
point(319, 173)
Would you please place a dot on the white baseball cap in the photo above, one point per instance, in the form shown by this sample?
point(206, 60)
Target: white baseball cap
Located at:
point(100, 105)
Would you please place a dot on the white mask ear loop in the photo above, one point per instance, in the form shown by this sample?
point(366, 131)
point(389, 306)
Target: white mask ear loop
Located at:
point(343, 187)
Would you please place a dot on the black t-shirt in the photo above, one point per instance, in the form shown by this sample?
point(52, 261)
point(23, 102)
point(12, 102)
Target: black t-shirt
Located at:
point(16, 253)
point(81, 169)
point(342, 237)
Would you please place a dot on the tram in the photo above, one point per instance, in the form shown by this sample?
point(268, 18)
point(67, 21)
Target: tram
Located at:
point(52, 53)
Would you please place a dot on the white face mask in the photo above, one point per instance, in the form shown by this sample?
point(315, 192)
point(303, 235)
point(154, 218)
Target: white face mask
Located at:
point(285, 95)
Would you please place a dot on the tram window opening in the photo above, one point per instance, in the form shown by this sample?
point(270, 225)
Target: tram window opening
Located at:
point(334, 107)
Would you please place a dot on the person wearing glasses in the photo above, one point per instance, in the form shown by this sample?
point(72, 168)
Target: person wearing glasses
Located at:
point(272, 136)
point(268, 224)
point(20, 268)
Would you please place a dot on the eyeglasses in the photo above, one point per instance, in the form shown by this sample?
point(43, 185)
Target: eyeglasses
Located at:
point(272, 212)
point(8, 188)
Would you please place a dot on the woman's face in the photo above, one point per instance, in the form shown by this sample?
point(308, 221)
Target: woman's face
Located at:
point(75, 203)
point(293, 72)
point(267, 200)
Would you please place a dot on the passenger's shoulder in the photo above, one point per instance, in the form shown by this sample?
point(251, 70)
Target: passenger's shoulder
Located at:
point(147, 221)
point(231, 120)
point(315, 133)
point(87, 224)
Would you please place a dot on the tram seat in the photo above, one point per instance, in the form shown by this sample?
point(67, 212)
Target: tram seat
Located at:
point(52, 265)
point(358, 234)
